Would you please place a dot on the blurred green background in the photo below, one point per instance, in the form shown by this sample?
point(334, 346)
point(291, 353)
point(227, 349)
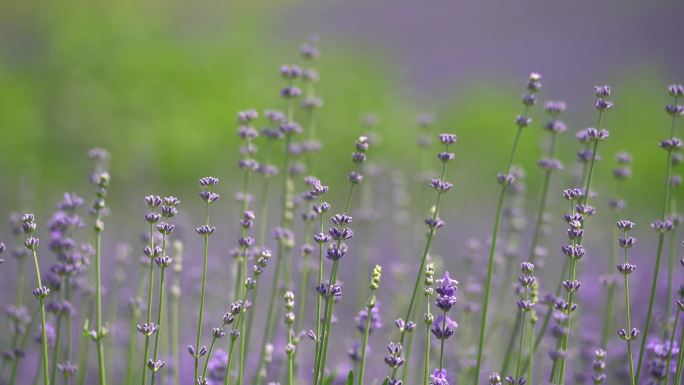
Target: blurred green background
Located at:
point(158, 84)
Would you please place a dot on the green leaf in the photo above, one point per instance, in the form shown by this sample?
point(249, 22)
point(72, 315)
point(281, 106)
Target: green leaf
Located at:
point(350, 378)
point(386, 382)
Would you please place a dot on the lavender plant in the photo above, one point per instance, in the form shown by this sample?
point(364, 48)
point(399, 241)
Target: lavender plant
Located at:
point(205, 231)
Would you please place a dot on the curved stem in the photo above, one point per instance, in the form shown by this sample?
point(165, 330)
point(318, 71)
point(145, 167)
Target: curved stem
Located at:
point(43, 331)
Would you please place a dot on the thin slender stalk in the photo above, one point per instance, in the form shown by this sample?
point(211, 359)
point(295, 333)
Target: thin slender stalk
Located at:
point(522, 342)
point(206, 362)
point(490, 263)
point(301, 312)
point(43, 331)
point(205, 254)
point(56, 351)
point(364, 344)
point(530, 367)
point(426, 358)
point(671, 346)
point(150, 292)
point(441, 348)
point(131, 345)
point(160, 313)
point(319, 301)
point(263, 214)
point(98, 302)
point(84, 348)
point(281, 254)
point(672, 256)
point(610, 297)
point(659, 251)
point(629, 328)
point(680, 359)
point(319, 366)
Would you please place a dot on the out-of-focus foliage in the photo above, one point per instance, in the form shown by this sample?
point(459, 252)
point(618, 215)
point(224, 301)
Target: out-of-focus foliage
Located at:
point(158, 84)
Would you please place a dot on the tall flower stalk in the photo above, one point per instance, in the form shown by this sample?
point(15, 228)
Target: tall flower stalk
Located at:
point(670, 144)
point(291, 346)
point(151, 251)
point(620, 173)
point(168, 210)
point(247, 166)
point(288, 128)
point(205, 231)
point(443, 327)
point(101, 181)
point(525, 306)
point(428, 318)
point(505, 179)
point(41, 292)
point(627, 334)
point(369, 320)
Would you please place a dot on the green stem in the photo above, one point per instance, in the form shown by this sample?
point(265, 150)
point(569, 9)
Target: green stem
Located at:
point(610, 297)
point(150, 291)
point(43, 332)
point(671, 346)
point(530, 367)
point(84, 348)
point(490, 263)
point(205, 253)
point(131, 346)
point(160, 312)
point(629, 328)
point(680, 359)
point(441, 348)
point(56, 351)
point(522, 343)
point(319, 301)
point(426, 359)
point(98, 305)
point(672, 251)
point(206, 362)
point(364, 344)
point(281, 255)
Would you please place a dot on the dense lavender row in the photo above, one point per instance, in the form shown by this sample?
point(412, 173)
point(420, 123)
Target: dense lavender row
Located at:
point(284, 329)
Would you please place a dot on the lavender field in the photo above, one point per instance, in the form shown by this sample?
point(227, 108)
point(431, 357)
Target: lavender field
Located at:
point(314, 228)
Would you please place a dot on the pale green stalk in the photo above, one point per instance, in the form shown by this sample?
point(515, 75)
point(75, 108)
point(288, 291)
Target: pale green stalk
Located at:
point(160, 312)
point(98, 301)
point(632, 378)
point(56, 351)
point(205, 253)
point(84, 348)
point(43, 332)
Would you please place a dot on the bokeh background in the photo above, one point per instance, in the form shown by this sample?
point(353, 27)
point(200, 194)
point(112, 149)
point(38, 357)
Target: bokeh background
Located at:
point(159, 83)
